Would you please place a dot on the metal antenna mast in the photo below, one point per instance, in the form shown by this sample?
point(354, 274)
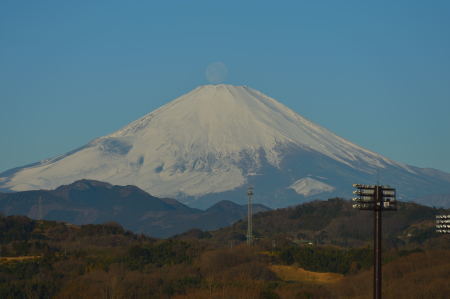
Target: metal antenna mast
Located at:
point(249, 216)
point(40, 208)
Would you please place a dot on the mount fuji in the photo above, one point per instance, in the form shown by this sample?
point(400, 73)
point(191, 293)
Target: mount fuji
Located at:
point(211, 143)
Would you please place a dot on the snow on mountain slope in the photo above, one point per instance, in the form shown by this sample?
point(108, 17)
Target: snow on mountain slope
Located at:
point(310, 186)
point(207, 141)
point(228, 119)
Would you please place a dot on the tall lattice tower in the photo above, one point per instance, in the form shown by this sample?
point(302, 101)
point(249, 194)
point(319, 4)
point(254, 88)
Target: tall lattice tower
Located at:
point(40, 208)
point(249, 216)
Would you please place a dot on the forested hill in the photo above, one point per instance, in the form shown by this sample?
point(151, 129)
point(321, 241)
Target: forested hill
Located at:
point(48, 259)
point(334, 221)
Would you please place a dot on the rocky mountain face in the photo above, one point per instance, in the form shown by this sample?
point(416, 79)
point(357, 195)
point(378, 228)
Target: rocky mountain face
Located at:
point(211, 143)
point(94, 202)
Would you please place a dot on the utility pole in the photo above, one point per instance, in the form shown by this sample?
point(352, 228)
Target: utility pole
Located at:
point(375, 198)
point(249, 216)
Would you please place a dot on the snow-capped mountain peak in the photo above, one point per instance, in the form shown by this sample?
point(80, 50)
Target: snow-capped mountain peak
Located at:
point(227, 119)
point(210, 140)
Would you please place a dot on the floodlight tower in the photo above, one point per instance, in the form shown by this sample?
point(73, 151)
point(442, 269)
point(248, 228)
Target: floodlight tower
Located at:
point(249, 216)
point(443, 224)
point(377, 199)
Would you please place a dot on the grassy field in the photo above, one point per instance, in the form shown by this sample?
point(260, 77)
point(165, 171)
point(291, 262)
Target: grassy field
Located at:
point(10, 259)
point(293, 273)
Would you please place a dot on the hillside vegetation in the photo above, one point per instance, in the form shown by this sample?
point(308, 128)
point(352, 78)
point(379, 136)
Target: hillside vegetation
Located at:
point(47, 259)
point(335, 222)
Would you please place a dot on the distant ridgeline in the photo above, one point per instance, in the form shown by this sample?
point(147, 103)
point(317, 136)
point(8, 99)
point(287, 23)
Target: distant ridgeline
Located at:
point(320, 222)
point(89, 202)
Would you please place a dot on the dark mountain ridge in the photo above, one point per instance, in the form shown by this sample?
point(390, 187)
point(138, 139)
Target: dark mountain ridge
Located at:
point(89, 201)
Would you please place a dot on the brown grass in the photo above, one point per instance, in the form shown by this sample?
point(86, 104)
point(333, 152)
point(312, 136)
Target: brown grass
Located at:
point(293, 273)
point(10, 259)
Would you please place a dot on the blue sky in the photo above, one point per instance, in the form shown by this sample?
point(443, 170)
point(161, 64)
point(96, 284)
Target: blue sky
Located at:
point(374, 72)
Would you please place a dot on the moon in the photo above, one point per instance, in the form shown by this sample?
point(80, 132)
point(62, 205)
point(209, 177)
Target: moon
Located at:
point(216, 72)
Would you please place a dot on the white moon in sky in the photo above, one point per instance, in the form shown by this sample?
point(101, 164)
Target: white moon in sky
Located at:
point(216, 72)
